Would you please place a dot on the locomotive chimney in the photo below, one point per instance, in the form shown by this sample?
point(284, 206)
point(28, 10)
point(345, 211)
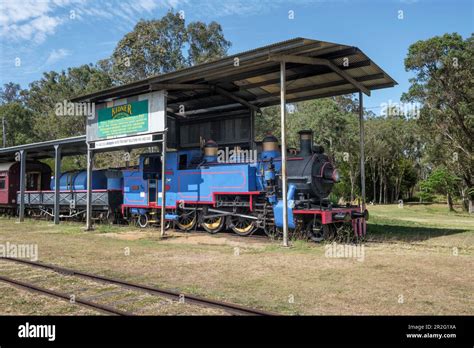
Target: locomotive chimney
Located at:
point(210, 151)
point(270, 143)
point(270, 147)
point(306, 142)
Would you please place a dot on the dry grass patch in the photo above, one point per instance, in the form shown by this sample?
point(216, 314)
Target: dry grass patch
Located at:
point(428, 275)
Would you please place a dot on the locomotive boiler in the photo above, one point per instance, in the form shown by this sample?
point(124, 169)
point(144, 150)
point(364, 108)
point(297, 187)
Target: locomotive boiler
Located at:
point(311, 171)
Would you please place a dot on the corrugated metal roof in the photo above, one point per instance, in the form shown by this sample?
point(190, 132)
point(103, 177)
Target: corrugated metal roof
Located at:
point(256, 78)
point(69, 147)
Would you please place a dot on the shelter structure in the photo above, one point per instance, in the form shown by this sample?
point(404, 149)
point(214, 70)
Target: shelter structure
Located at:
point(221, 99)
point(56, 149)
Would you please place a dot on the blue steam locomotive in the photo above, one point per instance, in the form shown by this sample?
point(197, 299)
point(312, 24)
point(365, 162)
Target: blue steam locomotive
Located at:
point(214, 189)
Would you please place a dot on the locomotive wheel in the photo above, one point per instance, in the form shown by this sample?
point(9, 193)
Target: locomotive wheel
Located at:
point(272, 231)
point(142, 220)
point(240, 225)
point(186, 220)
point(318, 232)
point(213, 225)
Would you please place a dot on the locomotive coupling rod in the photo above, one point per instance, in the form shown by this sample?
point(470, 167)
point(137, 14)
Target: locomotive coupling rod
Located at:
point(233, 214)
point(215, 216)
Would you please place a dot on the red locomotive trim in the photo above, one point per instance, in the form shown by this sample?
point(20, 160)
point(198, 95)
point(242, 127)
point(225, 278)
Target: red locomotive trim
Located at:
point(326, 215)
point(153, 205)
point(72, 191)
point(250, 193)
point(193, 202)
point(321, 173)
point(238, 193)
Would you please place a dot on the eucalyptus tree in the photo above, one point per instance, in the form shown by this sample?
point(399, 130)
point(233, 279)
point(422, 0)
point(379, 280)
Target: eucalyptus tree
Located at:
point(163, 45)
point(443, 69)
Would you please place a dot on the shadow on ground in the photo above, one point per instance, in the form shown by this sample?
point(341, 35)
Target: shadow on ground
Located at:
point(385, 232)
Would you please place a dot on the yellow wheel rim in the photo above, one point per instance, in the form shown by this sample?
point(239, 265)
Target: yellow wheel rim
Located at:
point(188, 225)
point(212, 225)
point(244, 229)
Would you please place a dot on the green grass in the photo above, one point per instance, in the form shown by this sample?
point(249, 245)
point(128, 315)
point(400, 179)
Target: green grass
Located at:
point(420, 223)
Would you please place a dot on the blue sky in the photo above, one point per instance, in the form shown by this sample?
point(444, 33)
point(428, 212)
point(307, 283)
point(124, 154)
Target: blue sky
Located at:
point(54, 35)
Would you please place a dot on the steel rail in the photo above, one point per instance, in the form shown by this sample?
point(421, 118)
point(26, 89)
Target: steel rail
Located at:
point(63, 296)
point(229, 307)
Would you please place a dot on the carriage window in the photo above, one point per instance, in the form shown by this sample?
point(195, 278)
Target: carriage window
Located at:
point(2, 184)
point(33, 181)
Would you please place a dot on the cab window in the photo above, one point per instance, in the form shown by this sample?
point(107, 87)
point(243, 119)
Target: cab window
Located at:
point(152, 167)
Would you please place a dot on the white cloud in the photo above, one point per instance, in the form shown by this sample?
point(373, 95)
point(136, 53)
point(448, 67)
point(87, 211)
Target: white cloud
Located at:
point(57, 55)
point(27, 20)
point(34, 20)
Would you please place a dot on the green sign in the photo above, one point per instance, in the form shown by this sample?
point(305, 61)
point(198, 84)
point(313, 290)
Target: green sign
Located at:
point(123, 120)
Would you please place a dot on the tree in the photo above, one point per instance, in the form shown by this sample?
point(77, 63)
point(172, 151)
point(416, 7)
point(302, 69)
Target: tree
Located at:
point(15, 119)
point(441, 181)
point(443, 86)
point(11, 92)
point(54, 88)
point(157, 46)
point(206, 42)
point(18, 119)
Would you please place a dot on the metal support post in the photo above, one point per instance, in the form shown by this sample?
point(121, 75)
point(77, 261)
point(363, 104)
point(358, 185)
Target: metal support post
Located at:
point(163, 185)
point(57, 176)
point(90, 163)
point(22, 184)
point(163, 174)
point(283, 151)
point(361, 145)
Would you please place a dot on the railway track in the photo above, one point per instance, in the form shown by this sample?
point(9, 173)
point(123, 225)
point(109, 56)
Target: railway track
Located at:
point(224, 307)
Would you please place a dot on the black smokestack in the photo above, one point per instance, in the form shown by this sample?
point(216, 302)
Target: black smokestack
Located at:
point(306, 142)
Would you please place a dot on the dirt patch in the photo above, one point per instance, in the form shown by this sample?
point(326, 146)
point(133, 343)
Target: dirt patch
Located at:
point(192, 238)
